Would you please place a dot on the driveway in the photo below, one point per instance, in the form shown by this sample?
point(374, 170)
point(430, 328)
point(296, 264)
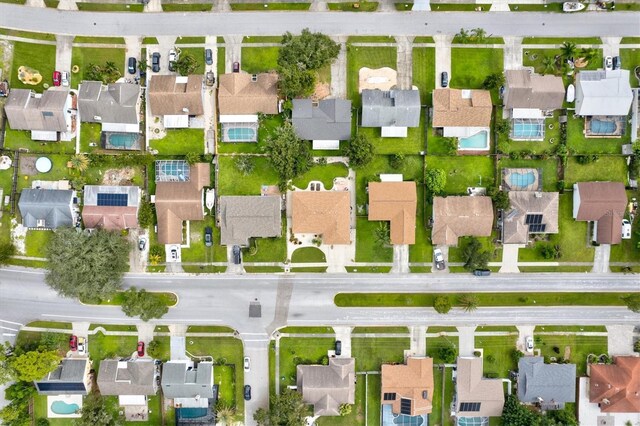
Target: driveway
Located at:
point(512, 53)
point(343, 334)
point(137, 257)
point(524, 331)
point(64, 45)
point(620, 339)
point(510, 258)
point(466, 340)
point(232, 52)
point(445, 255)
point(404, 60)
point(133, 49)
point(339, 71)
point(400, 259)
point(443, 56)
point(601, 259)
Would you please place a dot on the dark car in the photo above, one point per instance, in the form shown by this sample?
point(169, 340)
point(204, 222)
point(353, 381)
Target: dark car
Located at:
point(338, 348)
point(208, 236)
point(132, 65)
point(57, 78)
point(247, 393)
point(208, 57)
point(617, 62)
point(140, 348)
point(444, 79)
point(236, 255)
point(142, 243)
point(73, 343)
point(210, 78)
point(155, 62)
point(482, 272)
point(236, 67)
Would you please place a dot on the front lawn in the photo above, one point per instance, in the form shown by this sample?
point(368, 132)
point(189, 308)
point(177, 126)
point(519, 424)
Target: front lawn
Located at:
point(105, 347)
point(16, 139)
point(198, 54)
point(579, 144)
point(259, 59)
point(270, 6)
point(549, 169)
point(366, 6)
point(628, 250)
point(487, 244)
point(604, 169)
point(371, 353)
point(198, 252)
point(308, 255)
point(434, 344)
point(413, 144)
point(424, 72)
point(40, 57)
point(36, 243)
point(469, 67)
point(367, 248)
point(630, 60)
point(324, 173)
point(233, 182)
point(463, 172)
point(179, 142)
point(85, 56)
point(580, 347)
point(267, 249)
point(497, 353)
point(300, 350)
point(370, 57)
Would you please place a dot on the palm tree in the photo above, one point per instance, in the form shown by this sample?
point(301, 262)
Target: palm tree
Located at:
point(463, 36)
point(226, 415)
point(468, 302)
point(549, 65)
point(478, 34)
point(80, 162)
point(587, 54)
point(382, 234)
point(568, 49)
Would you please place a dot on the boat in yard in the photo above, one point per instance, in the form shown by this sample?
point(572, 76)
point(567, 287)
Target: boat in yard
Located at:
point(571, 93)
point(572, 6)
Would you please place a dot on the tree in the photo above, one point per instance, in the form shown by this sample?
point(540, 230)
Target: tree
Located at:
point(493, 81)
point(186, 64)
point(295, 82)
point(226, 415)
point(42, 421)
point(21, 391)
point(478, 35)
point(633, 302)
point(516, 414)
point(15, 413)
point(442, 304)
point(564, 417)
point(145, 214)
point(396, 161)
point(568, 50)
point(153, 349)
point(551, 251)
point(287, 154)
point(360, 151)
point(6, 372)
point(192, 158)
point(6, 251)
point(147, 305)
point(501, 200)
point(382, 234)
point(80, 162)
point(34, 365)
point(447, 354)
point(462, 36)
point(502, 127)
point(107, 73)
point(245, 165)
point(435, 180)
point(636, 346)
point(345, 409)
point(155, 254)
point(474, 258)
point(286, 409)
point(549, 65)
point(468, 302)
point(87, 266)
point(95, 412)
point(588, 53)
point(308, 51)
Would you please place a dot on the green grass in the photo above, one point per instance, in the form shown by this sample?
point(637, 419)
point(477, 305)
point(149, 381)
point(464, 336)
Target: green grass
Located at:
point(403, 7)
point(453, 7)
point(41, 57)
point(484, 299)
point(308, 255)
point(180, 142)
point(85, 56)
point(166, 298)
point(551, 7)
point(498, 349)
point(314, 330)
point(441, 329)
point(560, 40)
point(149, 40)
point(268, 249)
point(510, 328)
point(412, 169)
point(198, 54)
point(90, 134)
point(259, 59)
point(631, 59)
point(270, 6)
point(194, 7)
point(267, 126)
point(549, 170)
point(630, 40)
point(581, 346)
point(367, 248)
point(469, 67)
point(324, 174)
point(50, 324)
point(413, 144)
point(28, 34)
point(371, 57)
point(628, 250)
point(487, 243)
point(375, 330)
point(261, 39)
point(367, 6)
point(15, 139)
point(435, 343)
point(36, 243)
point(424, 72)
point(114, 327)
point(299, 350)
point(110, 7)
point(232, 182)
point(373, 398)
point(422, 250)
point(371, 353)
point(198, 252)
point(99, 40)
point(535, 57)
point(221, 61)
point(579, 144)
point(463, 172)
point(356, 418)
point(570, 328)
point(551, 136)
point(103, 347)
point(487, 40)
point(604, 169)
point(59, 171)
point(368, 269)
point(437, 404)
point(262, 269)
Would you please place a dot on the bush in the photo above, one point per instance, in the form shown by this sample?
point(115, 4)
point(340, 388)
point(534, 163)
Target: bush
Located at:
point(153, 349)
point(396, 161)
point(491, 375)
point(145, 214)
point(447, 354)
point(549, 251)
point(442, 304)
point(345, 409)
point(516, 355)
point(636, 346)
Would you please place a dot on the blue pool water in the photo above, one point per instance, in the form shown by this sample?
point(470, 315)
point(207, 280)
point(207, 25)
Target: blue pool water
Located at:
point(602, 127)
point(473, 421)
point(61, 407)
point(192, 413)
point(528, 130)
point(122, 140)
point(521, 180)
point(241, 134)
point(478, 141)
point(175, 169)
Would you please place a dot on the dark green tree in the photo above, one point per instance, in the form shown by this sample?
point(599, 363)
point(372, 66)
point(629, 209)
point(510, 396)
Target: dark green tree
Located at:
point(493, 81)
point(295, 82)
point(286, 409)
point(34, 365)
point(308, 51)
point(186, 64)
point(193, 157)
point(473, 256)
point(468, 302)
point(145, 214)
point(288, 155)
point(6, 251)
point(633, 302)
point(382, 234)
point(447, 354)
point(360, 151)
point(568, 49)
point(396, 161)
point(435, 180)
point(146, 305)
point(153, 349)
point(95, 411)
point(516, 414)
point(501, 200)
point(442, 304)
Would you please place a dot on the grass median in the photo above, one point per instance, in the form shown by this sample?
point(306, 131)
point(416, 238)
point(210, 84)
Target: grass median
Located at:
point(167, 298)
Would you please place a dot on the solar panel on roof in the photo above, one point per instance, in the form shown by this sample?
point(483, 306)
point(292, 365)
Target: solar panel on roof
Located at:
point(405, 406)
point(389, 396)
point(537, 228)
point(469, 406)
point(118, 200)
point(61, 386)
point(533, 219)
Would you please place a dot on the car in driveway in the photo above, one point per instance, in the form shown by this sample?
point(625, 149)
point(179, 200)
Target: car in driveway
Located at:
point(237, 259)
point(528, 343)
point(444, 79)
point(155, 62)
point(208, 57)
point(208, 236)
point(617, 62)
point(65, 79)
point(132, 65)
point(142, 243)
point(338, 348)
point(236, 67)
point(438, 259)
point(73, 343)
point(210, 79)
point(140, 349)
point(247, 363)
point(173, 57)
point(247, 393)
point(82, 346)
point(57, 78)
point(608, 63)
point(174, 254)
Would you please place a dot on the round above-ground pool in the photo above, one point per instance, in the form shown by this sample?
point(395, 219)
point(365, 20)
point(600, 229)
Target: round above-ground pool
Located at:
point(5, 162)
point(61, 407)
point(43, 165)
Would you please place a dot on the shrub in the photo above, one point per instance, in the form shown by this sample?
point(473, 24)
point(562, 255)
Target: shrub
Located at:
point(490, 359)
point(442, 304)
point(447, 354)
point(153, 349)
point(396, 161)
point(636, 346)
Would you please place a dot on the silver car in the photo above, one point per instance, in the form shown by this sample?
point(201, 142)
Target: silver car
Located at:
point(438, 259)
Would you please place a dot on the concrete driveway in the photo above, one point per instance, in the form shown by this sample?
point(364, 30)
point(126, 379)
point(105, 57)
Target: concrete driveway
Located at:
point(443, 56)
point(133, 49)
point(232, 52)
point(400, 259)
point(404, 61)
point(339, 71)
point(601, 259)
point(64, 46)
point(510, 258)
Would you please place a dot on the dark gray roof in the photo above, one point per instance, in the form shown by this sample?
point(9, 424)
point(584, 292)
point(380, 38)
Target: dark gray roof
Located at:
point(113, 103)
point(554, 383)
point(399, 108)
point(126, 378)
point(181, 381)
point(244, 217)
point(68, 378)
point(330, 119)
point(51, 205)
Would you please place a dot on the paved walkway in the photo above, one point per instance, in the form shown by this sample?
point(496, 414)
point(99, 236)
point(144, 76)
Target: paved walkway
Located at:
point(418, 341)
point(466, 341)
point(443, 56)
point(601, 259)
point(400, 259)
point(510, 258)
point(153, 6)
point(611, 46)
point(339, 71)
point(404, 62)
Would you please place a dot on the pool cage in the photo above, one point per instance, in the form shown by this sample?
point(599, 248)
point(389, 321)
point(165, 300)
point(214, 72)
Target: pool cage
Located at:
point(472, 421)
point(240, 132)
point(527, 129)
point(172, 171)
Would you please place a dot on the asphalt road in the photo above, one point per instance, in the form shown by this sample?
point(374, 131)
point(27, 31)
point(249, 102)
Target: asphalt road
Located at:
point(55, 21)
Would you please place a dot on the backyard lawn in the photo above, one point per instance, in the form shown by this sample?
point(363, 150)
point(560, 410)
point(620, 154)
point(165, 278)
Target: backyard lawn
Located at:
point(580, 347)
point(40, 57)
point(16, 139)
point(85, 56)
point(179, 142)
point(578, 144)
point(371, 57)
point(233, 182)
point(90, 134)
point(324, 173)
point(411, 169)
point(371, 353)
point(463, 172)
point(413, 144)
point(259, 59)
point(424, 72)
point(300, 350)
point(630, 60)
point(604, 169)
point(497, 353)
point(469, 67)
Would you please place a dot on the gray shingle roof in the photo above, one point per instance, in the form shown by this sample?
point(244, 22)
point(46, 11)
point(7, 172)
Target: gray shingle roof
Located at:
point(400, 108)
point(330, 119)
point(327, 386)
point(51, 205)
point(178, 381)
point(113, 103)
point(25, 111)
point(244, 217)
point(554, 383)
point(126, 378)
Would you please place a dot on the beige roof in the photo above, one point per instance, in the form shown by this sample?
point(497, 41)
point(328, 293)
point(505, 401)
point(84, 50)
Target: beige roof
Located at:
point(328, 386)
point(515, 230)
point(238, 94)
point(249, 216)
point(180, 201)
point(27, 110)
point(409, 381)
point(616, 387)
point(602, 202)
point(326, 213)
point(395, 202)
point(461, 108)
point(471, 387)
point(461, 216)
point(175, 95)
point(524, 89)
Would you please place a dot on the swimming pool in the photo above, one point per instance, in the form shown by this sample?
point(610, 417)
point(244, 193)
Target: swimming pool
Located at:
point(528, 130)
point(191, 412)
point(479, 141)
point(520, 180)
point(121, 140)
point(473, 421)
point(240, 134)
point(61, 407)
point(172, 171)
point(601, 127)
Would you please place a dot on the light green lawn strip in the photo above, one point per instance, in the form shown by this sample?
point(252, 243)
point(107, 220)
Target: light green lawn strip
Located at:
point(551, 7)
point(196, 7)
point(424, 72)
point(110, 7)
point(28, 34)
point(374, 390)
point(150, 40)
point(469, 67)
point(308, 255)
point(630, 60)
point(270, 6)
point(261, 39)
point(114, 327)
point(630, 40)
point(371, 39)
point(259, 59)
point(422, 250)
point(371, 353)
point(570, 328)
point(368, 269)
point(376, 330)
point(40, 57)
point(50, 324)
point(463, 172)
point(314, 330)
point(99, 40)
point(220, 68)
point(371, 57)
point(367, 6)
point(179, 142)
point(326, 174)
point(560, 40)
point(232, 182)
point(454, 7)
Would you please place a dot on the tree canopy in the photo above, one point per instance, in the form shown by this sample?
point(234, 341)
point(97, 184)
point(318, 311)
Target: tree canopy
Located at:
point(186, 64)
point(286, 409)
point(360, 151)
point(34, 365)
point(147, 305)
point(95, 412)
point(473, 256)
point(288, 155)
point(296, 82)
point(87, 266)
point(435, 180)
point(107, 73)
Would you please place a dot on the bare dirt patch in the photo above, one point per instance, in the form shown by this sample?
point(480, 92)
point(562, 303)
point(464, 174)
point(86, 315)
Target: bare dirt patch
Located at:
point(120, 177)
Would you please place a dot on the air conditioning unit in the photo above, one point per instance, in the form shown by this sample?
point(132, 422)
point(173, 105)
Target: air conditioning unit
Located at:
point(254, 77)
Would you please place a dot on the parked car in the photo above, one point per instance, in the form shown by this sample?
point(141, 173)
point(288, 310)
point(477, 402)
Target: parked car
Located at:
point(142, 243)
point(132, 65)
point(155, 62)
point(247, 363)
point(82, 345)
point(208, 236)
point(626, 229)
point(140, 348)
point(438, 259)
point(73, 343)
point(210, 78)
point(236, 67)
point(65, 79)
point(608, 63)
point(247, 393)
point(237, 259)
point(57, 76)
point(174, 254)
point(529, 343)
point(444, 79)
point(173, 57)
point(482, 272)
point(338, 348)
point(208, 57)
point(617, 62)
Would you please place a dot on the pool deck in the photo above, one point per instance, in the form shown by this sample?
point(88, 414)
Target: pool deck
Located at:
point(67, 399)
point(620, 123)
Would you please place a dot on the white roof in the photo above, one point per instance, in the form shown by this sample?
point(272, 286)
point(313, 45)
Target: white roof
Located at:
point(603, 92)
point(175, 121)
point(247, 118)
point(394, 132)
point(527, 113)
point(326, 144)
point(390, 177)
point(121, 127)
point(132, 400)
point(43, 135)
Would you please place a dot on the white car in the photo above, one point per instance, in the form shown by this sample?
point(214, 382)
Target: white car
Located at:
point(626, 229)
point(82, 346)
point(65, 79)
point(438, 258)
point(173, 57)
point(247, 363)
point(608, 63)
point(529, 343)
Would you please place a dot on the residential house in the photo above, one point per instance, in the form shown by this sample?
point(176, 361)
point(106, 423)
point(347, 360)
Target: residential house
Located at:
point(115, 106)
point(188, 384)
point(616, 387)
point(71, 377)
point(395, 202)
point(326, 213)
point(47, 208)
point(49, 116)
point(326, 122)
point(176, 99)
point(461, 216)
point(327, 387)
point(179, 197)
point(112, 208)
point(407, 389)
point(241, 97)
point(475, 395)
point(464, 114)
point(529, 98)
point(603, 203)
point(131, 381)
point(530, 212)
point(394, 111)
point(245, 217)
point(548, 385)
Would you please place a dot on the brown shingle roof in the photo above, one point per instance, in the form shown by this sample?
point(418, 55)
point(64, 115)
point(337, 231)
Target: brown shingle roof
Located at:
point(602, 202)
point(395, 202)
point(326, 213)
point(111, 218)
point(238, 94)
point(472, 387)
point(461, 108)
point(168, 97)
point(616, 387)
point(180, 201)
point(514, 228)
point(527, 90)
point(328, 386)
point(409, 382)
point(455, 217)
